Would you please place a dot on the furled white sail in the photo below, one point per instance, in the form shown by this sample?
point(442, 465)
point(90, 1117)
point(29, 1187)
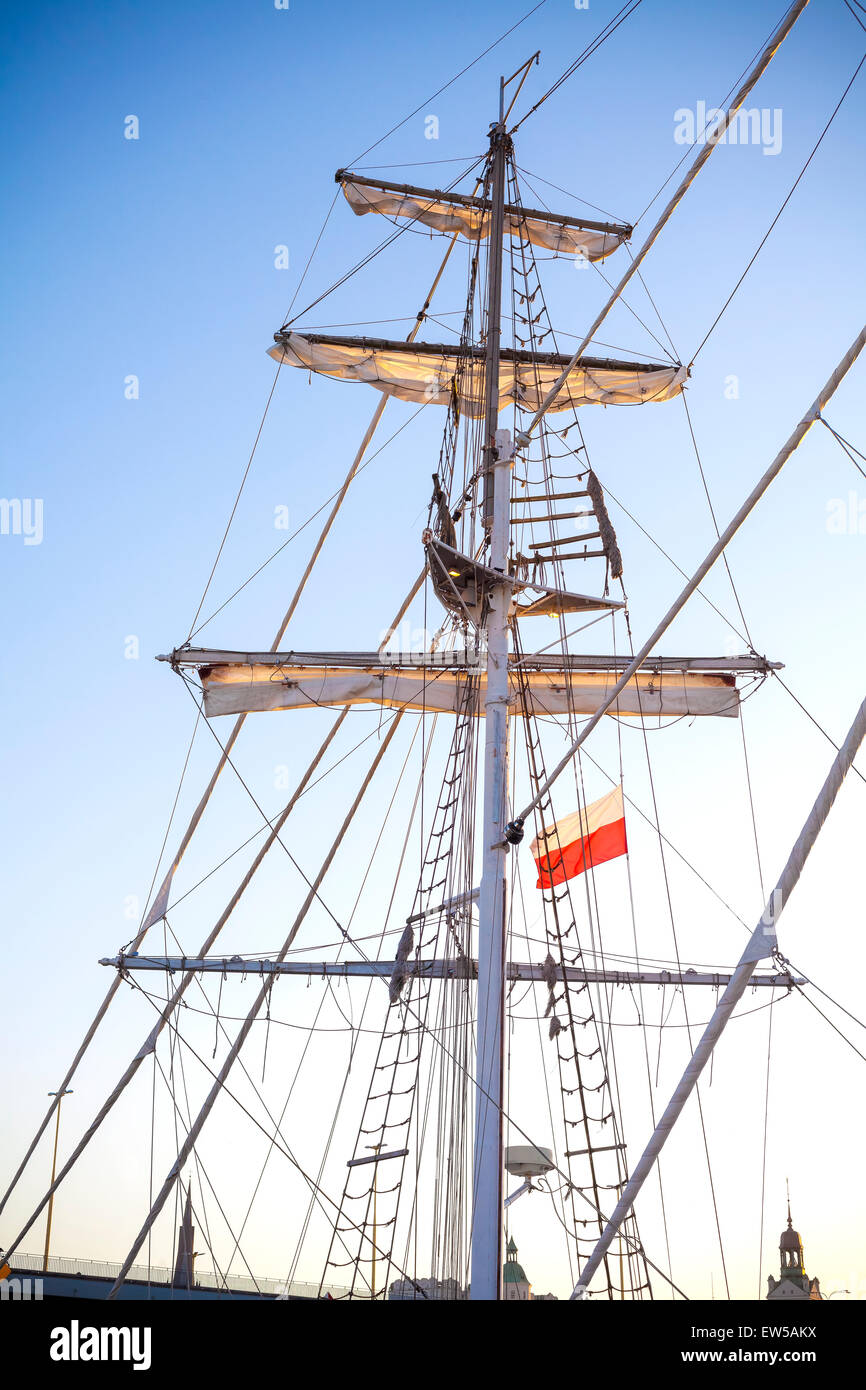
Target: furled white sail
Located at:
point(233, 688)
point(436, 374)
point(565, 237)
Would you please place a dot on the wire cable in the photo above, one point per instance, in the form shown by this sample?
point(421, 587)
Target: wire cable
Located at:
point(237, 498)
point(788, 198)
point(846, 446)
point(592, 47)
point(450, 82)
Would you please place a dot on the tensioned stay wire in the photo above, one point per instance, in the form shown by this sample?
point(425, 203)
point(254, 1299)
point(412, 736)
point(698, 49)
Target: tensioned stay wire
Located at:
point(612, 25)
point(785, 203)
point(237, 498)
point(450, 82)
point(846, 446)
point(280, 548)
point(703, 133)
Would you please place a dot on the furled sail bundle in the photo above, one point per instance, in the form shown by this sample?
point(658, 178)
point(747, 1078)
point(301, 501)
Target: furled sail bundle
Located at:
point(438, 373)
point(247, 682)
point(471, 217)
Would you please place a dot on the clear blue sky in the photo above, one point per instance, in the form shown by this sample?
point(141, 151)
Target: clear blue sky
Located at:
point(155, 258)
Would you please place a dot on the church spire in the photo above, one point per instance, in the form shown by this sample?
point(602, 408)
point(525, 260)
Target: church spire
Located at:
point(793, 1280)
point(788, 1191)
point(183, 1270)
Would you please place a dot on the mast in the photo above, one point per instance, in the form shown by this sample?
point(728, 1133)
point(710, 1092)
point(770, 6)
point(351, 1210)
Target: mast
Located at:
point(492, 904)
point(498, 144)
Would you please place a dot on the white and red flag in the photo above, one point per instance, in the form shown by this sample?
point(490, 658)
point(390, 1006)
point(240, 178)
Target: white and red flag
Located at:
point(581, 841)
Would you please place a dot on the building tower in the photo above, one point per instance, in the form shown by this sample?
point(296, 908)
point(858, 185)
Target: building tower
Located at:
point(793, 1281)
point(514, 1281)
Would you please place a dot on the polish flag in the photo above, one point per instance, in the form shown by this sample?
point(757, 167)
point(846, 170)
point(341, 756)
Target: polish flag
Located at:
point(581, 841)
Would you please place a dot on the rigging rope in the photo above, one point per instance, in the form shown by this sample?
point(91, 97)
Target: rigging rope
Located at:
point(311, 518)
point(640, 999)
point(703, 134)
point(237, 498)
point(450, 82)
point(842, 1035)
point(440, 1043)
point(195, 1130)
point(613, 24)
point(764, 1149)
point(312, 253)
point(568, 194)
point(846, 446)
point(596, 266)
point(785, 203)
point(304, 1054)
point(781, 34)
point(377, 250)
point(285, 1151)
point(819, 727)
point(679, 968)
point(712, 509)
point(421, 1021)
point(556, 941)
point(835, 1002)
point(167, 828)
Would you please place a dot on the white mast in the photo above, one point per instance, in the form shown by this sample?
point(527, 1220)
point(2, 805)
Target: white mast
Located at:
point(492, 905)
